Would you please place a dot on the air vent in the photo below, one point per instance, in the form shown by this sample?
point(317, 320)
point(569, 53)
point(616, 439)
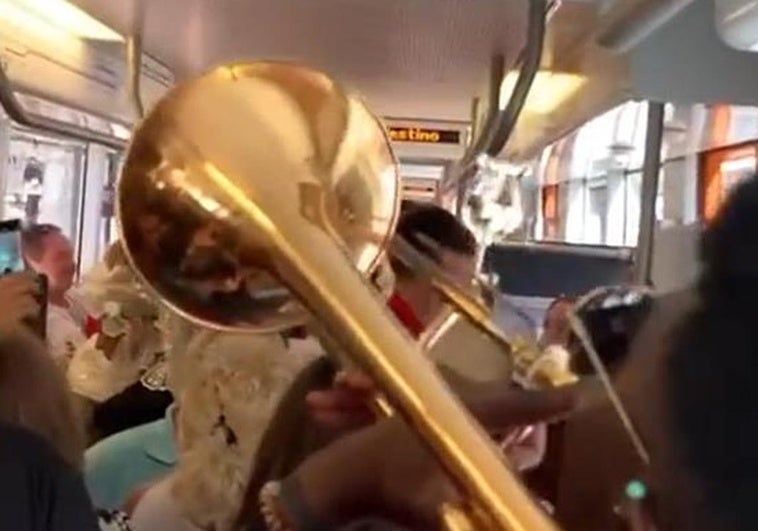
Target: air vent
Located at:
point(85, 75)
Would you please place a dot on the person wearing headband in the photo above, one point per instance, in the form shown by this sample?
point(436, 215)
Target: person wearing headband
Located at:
point(688, 387)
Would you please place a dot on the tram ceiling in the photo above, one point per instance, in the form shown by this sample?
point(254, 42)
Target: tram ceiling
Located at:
point(571, 47)
point(420, 59)
point(425, 59)
point(610, 35)
point(691, 63)
point(684, 61)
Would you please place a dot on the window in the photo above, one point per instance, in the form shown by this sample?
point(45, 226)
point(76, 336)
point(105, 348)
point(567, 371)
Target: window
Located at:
point(720, 171)
point(43, 181)
point(550, 212)
point(108, 232)
point(600, 211)
point(633, 191)
point(597, 211)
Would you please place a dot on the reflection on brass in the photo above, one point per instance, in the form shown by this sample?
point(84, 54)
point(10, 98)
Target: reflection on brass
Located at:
point(530, 365)
point(454, 342)
point(458, 517)
point(239, 139)
point(211, 217)
point(536, 368)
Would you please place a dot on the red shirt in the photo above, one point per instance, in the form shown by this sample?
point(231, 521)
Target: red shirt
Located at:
point(406, 315)
point(91, 326)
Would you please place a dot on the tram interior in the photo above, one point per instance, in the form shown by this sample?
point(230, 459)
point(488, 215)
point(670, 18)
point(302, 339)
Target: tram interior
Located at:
point(641, 117)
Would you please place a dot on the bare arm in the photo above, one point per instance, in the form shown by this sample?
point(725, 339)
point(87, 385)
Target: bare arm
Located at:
point(497, 405)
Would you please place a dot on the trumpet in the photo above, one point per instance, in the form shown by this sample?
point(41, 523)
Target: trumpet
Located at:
point(255, 195)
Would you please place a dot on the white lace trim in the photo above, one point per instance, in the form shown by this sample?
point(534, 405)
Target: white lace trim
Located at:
point(231, 384)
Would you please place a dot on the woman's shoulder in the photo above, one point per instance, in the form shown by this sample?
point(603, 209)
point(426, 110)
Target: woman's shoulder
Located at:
point(20, 439)
point(23, 450)
point(36, 483)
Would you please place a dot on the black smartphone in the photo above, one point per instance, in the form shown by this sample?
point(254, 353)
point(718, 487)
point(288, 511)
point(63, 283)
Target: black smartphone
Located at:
point(12, 261)
point(11, 257)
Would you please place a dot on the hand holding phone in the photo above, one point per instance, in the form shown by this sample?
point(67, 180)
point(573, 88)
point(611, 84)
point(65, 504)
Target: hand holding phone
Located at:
point(20, 301)
point(11, 257)
point(14, 272)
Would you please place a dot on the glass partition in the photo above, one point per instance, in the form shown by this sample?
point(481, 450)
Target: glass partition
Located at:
point(43, 180)
point(47, 179)
point(108, 225)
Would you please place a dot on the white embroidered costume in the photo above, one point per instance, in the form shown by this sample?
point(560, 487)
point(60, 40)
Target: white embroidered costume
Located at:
point(227, 386)
point(131, 319)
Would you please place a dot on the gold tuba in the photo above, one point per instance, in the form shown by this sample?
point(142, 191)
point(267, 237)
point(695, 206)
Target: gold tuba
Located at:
point(260, 191)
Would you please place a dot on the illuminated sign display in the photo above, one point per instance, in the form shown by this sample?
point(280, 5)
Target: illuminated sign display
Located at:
point(424, 135)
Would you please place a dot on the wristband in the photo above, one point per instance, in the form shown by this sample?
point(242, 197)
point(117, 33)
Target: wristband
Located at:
point(273, 514)
point(283, 508)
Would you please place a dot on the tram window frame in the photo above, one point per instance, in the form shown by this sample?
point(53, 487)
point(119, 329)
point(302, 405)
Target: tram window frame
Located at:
point(14, 134)
point(712, 192)
point(550, 212)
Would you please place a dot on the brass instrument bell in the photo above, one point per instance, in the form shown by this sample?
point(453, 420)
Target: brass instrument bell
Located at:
point(259, 127)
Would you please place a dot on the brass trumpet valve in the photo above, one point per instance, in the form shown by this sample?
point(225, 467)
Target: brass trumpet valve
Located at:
point(537, 367)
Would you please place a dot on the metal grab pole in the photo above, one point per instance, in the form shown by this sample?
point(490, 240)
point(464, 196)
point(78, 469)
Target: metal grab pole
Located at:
point(499, 124)
point(134, 61)
point(650, 172)
point(134, 67)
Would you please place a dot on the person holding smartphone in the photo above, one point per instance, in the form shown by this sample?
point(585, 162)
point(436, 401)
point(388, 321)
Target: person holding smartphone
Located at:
point(19, 298)
point(49, 252)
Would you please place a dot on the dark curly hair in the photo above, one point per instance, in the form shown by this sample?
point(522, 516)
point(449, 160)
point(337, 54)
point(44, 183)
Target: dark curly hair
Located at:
point(711, 370)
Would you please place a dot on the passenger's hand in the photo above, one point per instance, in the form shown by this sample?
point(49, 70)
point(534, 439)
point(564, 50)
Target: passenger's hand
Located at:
point(127, 345)
point(19, 293)
point(390, 474)
point(498, 406)
point(637, 512)
point(385, 469)
point(347, 405)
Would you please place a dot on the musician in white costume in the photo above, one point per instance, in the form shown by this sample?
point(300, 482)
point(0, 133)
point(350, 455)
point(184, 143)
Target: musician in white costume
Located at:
point(226, 386)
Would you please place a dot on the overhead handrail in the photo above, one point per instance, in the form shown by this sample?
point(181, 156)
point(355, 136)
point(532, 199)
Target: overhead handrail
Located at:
point(134, 60)
point(531, 58)
point(18, 114)
point(134, 64)
point(497, 74)
point(499, 124)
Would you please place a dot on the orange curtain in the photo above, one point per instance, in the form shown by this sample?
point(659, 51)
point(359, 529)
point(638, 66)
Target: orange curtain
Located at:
point(550, 210)
point(711, 185)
